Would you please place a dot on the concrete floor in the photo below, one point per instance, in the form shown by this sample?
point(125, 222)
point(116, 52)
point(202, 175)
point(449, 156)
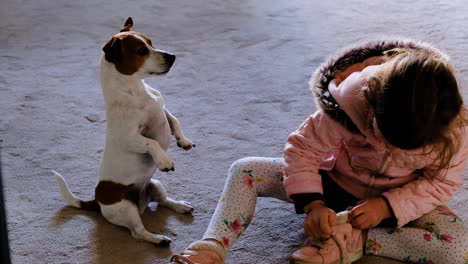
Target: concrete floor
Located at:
point(239, 87)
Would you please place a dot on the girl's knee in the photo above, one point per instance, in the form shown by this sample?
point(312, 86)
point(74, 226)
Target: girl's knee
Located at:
point(240, 165)
point(247, 163)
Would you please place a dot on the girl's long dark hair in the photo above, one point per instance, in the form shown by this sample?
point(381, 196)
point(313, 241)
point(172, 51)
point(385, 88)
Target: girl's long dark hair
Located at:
point(417, 103)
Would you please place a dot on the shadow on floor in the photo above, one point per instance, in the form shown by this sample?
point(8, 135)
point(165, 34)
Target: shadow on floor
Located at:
point(113, 244)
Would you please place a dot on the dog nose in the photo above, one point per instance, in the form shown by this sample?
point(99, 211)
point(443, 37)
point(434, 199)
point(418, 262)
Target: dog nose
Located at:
point(169, 58)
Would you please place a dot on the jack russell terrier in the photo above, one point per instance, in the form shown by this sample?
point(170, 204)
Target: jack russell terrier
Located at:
point(139, 130)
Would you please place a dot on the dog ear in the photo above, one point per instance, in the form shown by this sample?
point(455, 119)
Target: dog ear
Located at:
point(127, 25)
point(112, 50)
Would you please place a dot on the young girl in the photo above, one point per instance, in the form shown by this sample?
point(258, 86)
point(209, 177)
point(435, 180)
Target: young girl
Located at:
point(388, 144)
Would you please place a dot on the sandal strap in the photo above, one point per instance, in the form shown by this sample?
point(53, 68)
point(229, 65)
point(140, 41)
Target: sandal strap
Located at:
point(342, 217)
point(314, 242)
point(180, 259)
point(196, 248)
point(208, 245)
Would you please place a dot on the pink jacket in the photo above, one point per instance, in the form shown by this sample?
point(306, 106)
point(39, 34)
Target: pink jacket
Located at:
point(354, 153)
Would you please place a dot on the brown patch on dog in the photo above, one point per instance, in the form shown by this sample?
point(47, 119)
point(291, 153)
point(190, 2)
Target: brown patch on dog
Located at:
point(148, 40)
point(108, 192)
point(127, 51)
point(90, 205)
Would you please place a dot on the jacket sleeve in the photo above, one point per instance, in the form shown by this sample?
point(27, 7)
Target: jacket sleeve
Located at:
point(310, 148)
point(302, 199)
point(419, 197)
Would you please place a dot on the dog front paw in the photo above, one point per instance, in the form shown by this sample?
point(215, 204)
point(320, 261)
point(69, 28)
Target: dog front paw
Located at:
point(167, 168)
point(165, 164)
point(185, 144)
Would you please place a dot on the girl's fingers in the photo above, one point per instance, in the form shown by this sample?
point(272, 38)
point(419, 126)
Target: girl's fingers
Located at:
point(360, 222)
point(360, 202)
point(357, 210)
point(308, 228)
point(325, 226)
point(317, 234)
point(366, 225)
point(311, 229)
point(323, 235)
point(331, 218)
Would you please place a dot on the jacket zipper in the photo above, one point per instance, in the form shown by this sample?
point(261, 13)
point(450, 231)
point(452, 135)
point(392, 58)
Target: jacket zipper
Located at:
point(385, 163)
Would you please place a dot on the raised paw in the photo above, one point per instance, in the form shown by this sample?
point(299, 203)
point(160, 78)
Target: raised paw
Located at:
point(185, 144)
point(168, 168)
point(165, 163)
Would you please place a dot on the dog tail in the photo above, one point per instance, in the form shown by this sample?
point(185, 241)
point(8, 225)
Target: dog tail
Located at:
point(71, 198)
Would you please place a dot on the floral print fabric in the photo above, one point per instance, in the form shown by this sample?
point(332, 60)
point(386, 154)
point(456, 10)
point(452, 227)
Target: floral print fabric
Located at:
point(247, 179)
point(438, 237)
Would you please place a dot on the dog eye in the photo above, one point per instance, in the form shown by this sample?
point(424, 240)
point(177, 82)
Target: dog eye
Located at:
point(143, 51)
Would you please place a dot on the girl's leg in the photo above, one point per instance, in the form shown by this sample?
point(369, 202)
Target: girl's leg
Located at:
point(248, 178)
point(437, 237)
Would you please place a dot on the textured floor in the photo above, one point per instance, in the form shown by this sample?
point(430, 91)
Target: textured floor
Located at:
point(239, 87)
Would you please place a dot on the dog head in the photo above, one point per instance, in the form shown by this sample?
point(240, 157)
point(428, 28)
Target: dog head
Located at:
point(133, 53)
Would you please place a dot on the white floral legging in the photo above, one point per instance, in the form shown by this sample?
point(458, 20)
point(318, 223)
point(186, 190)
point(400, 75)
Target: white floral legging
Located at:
point(437, 237)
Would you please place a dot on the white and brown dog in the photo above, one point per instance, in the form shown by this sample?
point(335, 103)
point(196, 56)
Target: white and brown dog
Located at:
point(139, 130)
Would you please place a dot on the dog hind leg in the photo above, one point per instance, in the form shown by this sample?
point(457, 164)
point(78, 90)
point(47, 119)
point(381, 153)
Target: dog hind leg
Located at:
point(158, 194)
point(125, 213)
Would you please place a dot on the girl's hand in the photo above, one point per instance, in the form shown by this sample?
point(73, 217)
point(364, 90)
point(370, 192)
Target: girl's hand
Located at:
point(319, 220)
point(369, 213)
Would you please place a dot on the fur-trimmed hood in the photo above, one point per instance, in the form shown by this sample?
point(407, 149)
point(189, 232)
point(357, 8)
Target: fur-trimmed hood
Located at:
point(336, 104)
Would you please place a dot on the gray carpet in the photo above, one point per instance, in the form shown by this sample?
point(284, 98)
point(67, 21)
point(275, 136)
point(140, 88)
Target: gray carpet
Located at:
point(239, 87)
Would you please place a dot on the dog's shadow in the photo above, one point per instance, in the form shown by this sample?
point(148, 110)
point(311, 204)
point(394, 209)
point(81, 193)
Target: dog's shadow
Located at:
point(113, 244)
